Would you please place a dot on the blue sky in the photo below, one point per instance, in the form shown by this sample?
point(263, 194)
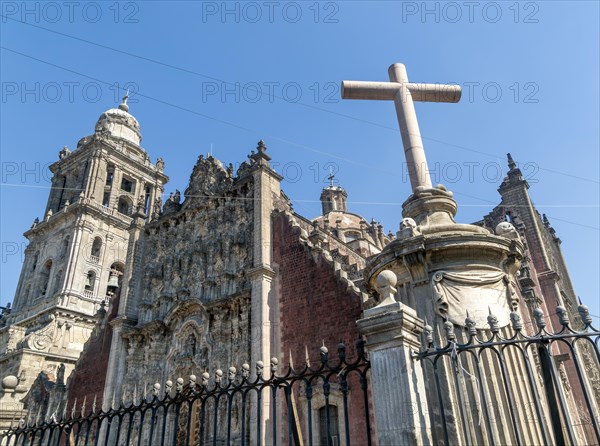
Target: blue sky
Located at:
point(225, 75)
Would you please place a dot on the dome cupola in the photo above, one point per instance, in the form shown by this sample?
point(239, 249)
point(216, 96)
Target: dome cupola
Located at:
point(120, 124)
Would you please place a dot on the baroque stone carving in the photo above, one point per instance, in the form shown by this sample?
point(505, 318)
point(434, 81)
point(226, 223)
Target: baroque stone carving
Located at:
point(478, 292)
point(505, 229)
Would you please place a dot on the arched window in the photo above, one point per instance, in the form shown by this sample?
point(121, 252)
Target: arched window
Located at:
point(90, 282)
point(333, 439)
point(96, 247)
point(124, 206)
point(45, 277)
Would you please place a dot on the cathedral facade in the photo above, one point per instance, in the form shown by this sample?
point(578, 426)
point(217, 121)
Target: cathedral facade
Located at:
point(119, 290)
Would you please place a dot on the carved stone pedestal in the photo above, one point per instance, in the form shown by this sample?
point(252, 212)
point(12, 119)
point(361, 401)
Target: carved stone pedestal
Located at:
point(445, 268)
point(399, 398)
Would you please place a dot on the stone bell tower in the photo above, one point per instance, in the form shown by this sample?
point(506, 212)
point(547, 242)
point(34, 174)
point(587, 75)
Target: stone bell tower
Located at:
point(76, 255)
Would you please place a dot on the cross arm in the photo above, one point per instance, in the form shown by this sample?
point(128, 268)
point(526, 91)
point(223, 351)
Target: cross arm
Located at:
point(389, 90)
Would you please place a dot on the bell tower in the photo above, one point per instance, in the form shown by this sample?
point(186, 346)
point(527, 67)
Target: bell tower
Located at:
point(77, 251)
point(333, 198)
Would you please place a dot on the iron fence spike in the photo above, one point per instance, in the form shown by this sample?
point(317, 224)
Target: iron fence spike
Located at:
point(563, 315)
point(449, 329)
point(540, 319)
point(245, 370)
point(492, 321)
point(204, 379)
point(515, 319)
point(341, 350)
point(156, 390)
point(584, 313)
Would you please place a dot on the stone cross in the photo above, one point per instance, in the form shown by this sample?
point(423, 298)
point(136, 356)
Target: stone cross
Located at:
point(403, 93)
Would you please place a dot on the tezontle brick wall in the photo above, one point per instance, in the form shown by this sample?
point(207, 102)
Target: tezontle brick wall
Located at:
point(316, 307)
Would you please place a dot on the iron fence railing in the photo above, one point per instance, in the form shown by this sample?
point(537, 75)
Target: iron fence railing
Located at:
point(502, 386)
point(311, 405)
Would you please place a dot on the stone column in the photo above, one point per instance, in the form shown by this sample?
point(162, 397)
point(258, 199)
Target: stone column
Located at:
point(397, 380)
point(264, 300)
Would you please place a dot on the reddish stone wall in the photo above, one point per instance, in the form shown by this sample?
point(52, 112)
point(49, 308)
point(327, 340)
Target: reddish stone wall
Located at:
point(315, 307)
point(88, 378)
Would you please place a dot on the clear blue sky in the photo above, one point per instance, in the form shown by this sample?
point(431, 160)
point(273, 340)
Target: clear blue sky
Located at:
point(529, 70)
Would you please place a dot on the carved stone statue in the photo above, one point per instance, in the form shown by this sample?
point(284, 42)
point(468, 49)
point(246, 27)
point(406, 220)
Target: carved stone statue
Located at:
point(60, 374)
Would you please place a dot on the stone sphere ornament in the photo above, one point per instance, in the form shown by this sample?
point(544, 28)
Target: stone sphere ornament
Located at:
point(10, 382)
point(386, 278)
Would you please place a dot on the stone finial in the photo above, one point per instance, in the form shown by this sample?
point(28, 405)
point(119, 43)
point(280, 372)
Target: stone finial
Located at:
point(506, 229)
point(10, 382)
point(259, 368)
point(123, 105)
point(64, 152)
point(160, 164)
point(168, 386)
point(49, 214)
point(260, 156)
point(218, 376)
point(511, 162)
point(385, 284)
point(156, 389)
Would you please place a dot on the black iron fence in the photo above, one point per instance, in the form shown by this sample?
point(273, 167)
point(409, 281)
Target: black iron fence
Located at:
point(502, 386)
point(321, 404)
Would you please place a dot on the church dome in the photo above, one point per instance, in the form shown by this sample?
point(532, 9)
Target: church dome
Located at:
point(120, 124)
